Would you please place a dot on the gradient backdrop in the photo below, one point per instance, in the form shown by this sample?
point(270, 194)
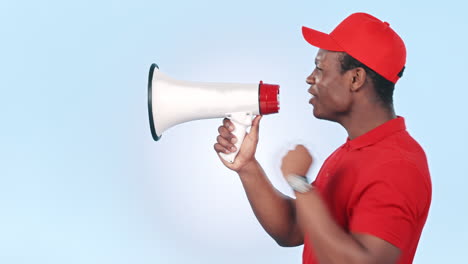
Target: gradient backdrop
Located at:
point(82, 181)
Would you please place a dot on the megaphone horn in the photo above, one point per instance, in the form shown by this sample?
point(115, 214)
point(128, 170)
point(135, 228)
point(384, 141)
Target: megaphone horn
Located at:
point(171, 102)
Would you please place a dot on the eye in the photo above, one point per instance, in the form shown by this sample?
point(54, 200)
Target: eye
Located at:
point(318, 68)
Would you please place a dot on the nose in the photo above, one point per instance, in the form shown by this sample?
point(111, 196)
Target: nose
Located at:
point(311, 81)
point(311, 78)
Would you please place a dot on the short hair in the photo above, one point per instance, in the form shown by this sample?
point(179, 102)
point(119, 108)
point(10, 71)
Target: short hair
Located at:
point(383, 87)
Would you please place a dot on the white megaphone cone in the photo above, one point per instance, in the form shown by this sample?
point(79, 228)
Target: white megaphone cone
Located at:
point(171, 102)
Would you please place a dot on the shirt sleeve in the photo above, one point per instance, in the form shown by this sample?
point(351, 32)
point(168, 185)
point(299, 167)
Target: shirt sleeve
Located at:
point(390, 200)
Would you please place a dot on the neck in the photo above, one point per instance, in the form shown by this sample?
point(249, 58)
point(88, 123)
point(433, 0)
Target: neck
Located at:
point(358, 122)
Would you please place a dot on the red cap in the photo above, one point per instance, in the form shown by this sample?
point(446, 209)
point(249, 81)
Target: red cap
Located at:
point(268, 98)
point(368, 40)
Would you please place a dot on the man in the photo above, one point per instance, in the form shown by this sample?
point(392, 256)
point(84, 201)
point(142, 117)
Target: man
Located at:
point(371, 198)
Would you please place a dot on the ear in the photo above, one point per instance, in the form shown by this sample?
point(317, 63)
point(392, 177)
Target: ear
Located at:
point(358, 78)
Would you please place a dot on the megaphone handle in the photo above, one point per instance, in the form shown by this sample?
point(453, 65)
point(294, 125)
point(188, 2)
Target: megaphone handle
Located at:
point(241, 122)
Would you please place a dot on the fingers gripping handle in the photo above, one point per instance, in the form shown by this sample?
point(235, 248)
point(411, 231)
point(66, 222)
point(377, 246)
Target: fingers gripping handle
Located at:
point(241, 121)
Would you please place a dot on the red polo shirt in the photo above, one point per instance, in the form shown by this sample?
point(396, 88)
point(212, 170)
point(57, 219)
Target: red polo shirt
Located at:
point(378, 184)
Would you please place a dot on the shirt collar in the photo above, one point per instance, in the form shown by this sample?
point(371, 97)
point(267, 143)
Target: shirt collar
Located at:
point(375, 135)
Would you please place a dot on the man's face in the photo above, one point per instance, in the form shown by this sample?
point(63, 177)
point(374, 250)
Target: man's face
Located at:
point(329, 87)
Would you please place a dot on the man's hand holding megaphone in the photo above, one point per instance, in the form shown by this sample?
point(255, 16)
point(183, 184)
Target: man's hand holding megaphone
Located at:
point(226, 141)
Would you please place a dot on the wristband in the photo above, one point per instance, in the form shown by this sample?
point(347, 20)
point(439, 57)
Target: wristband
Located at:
point(298, 183)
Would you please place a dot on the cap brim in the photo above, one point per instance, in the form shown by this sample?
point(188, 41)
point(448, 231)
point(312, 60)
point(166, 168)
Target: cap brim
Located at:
point(320, 39)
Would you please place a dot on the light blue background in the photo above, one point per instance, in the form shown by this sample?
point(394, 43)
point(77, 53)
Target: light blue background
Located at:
point(82, 181)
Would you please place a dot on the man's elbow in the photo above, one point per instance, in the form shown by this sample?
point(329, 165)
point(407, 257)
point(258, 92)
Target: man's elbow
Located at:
point(288, 242)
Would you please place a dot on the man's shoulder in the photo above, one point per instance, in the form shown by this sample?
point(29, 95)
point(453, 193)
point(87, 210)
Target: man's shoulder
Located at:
point(399, 162)
point(399, 148)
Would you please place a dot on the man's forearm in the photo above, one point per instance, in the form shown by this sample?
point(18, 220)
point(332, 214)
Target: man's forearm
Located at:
point(274, 211)
point(331, 243)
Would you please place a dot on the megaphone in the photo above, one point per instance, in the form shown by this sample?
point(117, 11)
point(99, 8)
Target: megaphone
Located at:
point(171, 102)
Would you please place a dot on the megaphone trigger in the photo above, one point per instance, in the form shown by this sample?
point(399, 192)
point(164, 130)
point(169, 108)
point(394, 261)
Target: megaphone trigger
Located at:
point(241, 121)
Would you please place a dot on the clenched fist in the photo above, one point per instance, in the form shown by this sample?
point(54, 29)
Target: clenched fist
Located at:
point(297, 161)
